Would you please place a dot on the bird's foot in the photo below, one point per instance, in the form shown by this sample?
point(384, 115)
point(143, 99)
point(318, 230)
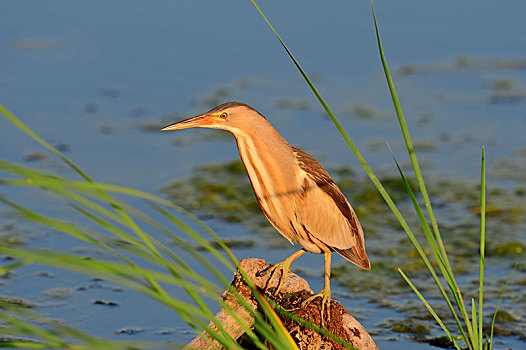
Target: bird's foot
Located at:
point(325, 295)
point(284, 267)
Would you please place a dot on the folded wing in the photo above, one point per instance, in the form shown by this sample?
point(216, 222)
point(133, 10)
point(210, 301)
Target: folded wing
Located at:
point(325, 212)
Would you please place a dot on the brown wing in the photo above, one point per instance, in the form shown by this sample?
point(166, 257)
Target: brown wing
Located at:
point(326, 213)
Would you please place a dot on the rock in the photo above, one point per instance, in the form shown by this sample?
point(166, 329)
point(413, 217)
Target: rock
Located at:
point(295, 289)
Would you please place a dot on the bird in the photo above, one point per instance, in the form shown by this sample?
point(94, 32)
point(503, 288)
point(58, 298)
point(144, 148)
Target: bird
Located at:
point(295, 193)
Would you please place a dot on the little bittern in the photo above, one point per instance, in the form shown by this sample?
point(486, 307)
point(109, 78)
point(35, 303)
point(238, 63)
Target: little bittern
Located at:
point(294, 191)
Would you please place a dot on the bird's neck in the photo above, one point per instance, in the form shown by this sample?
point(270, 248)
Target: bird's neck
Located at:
point(268, 158)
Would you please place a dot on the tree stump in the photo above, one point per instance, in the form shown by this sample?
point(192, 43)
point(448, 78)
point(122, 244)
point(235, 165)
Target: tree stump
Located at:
point(294, 291)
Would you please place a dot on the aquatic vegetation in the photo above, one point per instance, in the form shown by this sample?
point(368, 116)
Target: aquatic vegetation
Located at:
point(408, 326)
point(10, 234)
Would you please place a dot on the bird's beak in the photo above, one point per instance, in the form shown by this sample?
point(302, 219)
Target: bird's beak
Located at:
point(202, 121)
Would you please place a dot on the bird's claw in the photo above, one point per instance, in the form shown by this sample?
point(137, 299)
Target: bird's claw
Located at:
point(284, 267)
point(325, 303)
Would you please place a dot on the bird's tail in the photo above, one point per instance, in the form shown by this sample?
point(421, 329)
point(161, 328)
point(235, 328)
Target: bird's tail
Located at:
point(356, 256)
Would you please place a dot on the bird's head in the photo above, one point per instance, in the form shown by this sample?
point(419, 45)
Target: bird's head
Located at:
point(235, 117)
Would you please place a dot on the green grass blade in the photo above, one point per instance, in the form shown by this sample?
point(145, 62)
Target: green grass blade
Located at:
point(124, 275)
point(75, 231)
point(475, 327)
point(418, 174)
point(407, 139)
point(16, 122)
point(22, 326)
point(498, 304)
point(190, 288)
point(7, 268)
point(26, 322)
point(202, 242)
point(482, 241)
point(435, 250)
point(204, 261)
point(156, 254)
point(112, 271)
point(314, 327)
point(38, 178)
point(430, 308)
point(59, 185)
point(285, 340)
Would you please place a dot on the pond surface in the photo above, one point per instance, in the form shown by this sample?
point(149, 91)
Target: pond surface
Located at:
point(98, 79)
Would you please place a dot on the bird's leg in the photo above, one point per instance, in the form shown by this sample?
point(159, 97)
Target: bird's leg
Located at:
point(284, 267)
point(325, 293)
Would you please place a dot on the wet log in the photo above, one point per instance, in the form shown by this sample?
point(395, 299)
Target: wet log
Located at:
point(294, 291)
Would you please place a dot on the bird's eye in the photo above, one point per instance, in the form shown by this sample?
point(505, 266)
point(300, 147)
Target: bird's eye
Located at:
point(223, 115)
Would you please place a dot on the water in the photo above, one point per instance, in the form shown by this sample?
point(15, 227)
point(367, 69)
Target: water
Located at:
point(90, 75)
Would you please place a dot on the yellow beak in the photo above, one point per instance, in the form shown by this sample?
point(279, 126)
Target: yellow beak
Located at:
point(201, 121)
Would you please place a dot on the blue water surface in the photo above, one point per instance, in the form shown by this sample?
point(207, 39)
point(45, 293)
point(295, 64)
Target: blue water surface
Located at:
point(88, 75)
